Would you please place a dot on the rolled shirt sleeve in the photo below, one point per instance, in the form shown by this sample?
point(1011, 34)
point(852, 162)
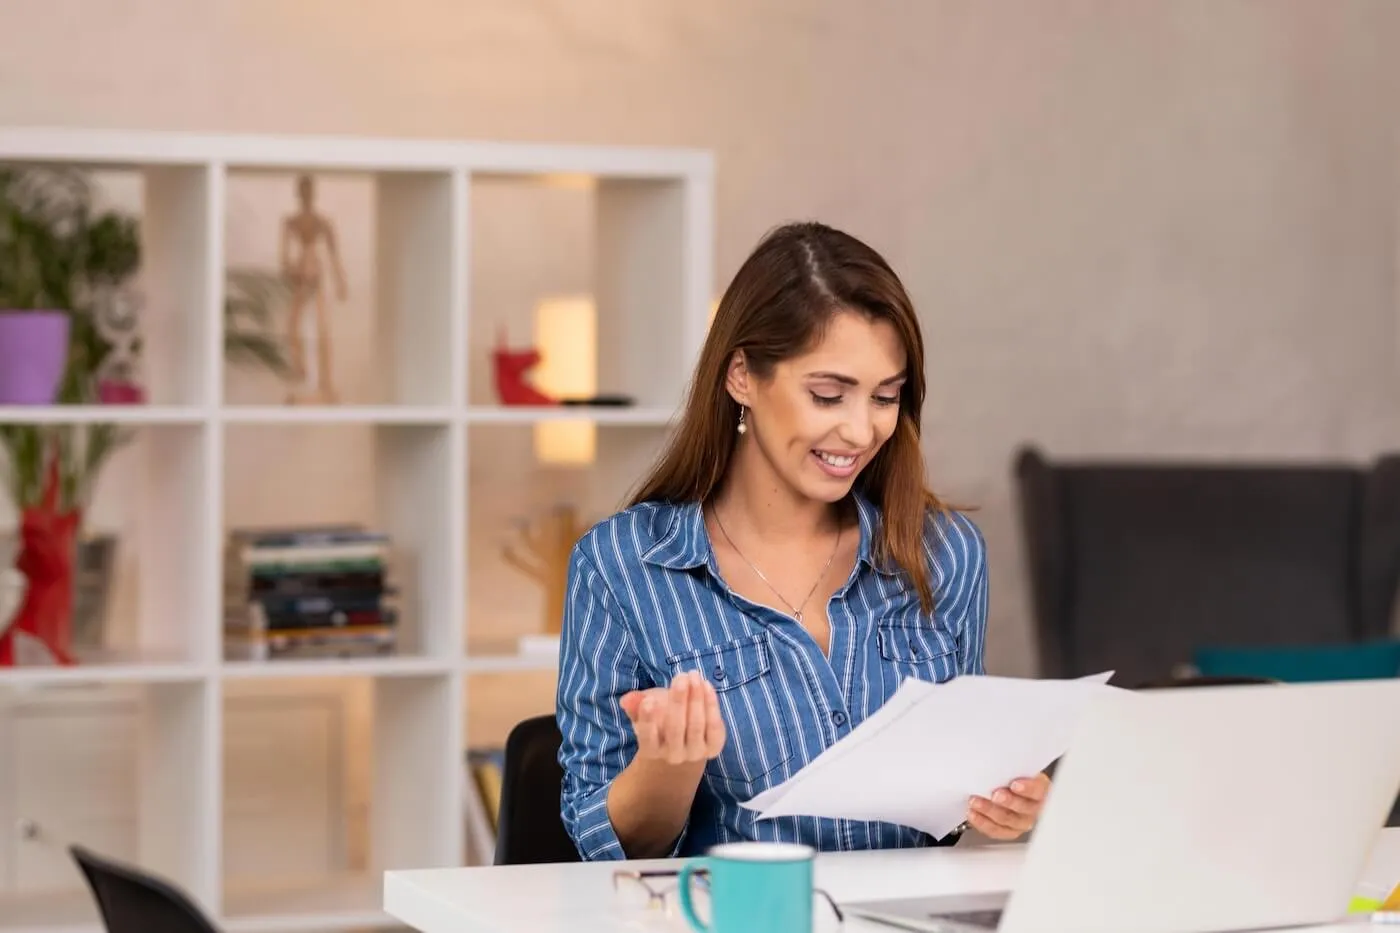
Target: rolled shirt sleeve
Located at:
point(598, 665)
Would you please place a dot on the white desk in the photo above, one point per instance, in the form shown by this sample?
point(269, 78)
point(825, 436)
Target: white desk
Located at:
point(579, 898)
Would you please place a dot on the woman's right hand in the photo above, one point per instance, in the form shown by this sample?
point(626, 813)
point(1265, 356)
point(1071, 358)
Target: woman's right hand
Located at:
point(677, 724)
point(678, 729)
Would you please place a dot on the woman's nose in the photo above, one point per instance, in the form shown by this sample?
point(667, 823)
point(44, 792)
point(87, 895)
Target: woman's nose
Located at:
point(859, 428)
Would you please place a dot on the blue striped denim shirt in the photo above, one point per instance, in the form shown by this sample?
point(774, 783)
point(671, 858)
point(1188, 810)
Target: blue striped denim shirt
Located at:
point(645, 601)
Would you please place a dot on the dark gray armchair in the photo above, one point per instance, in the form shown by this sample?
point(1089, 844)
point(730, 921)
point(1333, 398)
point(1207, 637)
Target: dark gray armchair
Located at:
point(1133, 566)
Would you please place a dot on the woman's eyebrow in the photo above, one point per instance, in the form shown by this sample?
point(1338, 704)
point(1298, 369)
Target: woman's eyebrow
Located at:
point(849, 381)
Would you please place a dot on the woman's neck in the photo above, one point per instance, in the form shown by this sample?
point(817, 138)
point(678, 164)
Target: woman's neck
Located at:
point(755, 501)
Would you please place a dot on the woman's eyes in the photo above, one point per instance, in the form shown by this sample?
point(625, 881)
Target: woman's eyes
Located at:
point(828, 400)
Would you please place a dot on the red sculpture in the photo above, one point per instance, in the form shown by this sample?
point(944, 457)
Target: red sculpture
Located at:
point(48, 537)
point(512, 386)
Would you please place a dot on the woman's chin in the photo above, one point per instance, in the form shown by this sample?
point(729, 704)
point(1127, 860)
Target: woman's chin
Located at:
point(828, 489)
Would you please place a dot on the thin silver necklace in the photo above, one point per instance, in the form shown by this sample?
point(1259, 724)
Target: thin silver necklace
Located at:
point(796, 610)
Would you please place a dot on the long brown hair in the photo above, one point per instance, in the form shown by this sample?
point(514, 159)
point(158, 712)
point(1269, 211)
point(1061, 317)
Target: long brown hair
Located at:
point(777, 307)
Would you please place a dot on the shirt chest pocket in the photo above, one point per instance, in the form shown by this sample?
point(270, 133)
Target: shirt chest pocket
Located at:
point(918, 651)
point(754, 707)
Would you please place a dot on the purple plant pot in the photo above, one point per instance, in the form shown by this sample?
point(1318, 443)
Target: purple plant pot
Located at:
point(33, 355)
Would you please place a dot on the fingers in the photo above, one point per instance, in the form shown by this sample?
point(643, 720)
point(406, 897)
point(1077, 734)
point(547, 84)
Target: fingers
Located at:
point(646, 721)
point(1005, 799)
point(1032, 788)
point(695, 718)
point(714, 723)
point(678, 723)
point(634, 701)
point(997, 821)
point(673, 725)
point(989, 828)
point(1010, 811)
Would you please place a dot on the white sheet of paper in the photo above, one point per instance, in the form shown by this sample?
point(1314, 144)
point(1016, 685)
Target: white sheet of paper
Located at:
point(918, 758)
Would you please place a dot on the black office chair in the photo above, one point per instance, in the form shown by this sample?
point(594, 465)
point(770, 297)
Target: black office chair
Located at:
point(529, 828)
point(1134, 566)
point(133, 901)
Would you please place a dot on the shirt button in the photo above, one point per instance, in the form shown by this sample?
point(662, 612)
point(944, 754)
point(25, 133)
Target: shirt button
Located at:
point(839, 718)
point(719, 674)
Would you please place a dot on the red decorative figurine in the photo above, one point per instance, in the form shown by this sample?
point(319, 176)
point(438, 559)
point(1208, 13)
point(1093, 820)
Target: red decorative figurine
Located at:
point(512, 386)
point(48, 537)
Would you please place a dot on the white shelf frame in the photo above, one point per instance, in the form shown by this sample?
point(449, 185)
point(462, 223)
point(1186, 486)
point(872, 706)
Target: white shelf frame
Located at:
point(654, 266)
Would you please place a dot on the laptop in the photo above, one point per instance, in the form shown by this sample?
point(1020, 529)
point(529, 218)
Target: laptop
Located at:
point(1197, 810)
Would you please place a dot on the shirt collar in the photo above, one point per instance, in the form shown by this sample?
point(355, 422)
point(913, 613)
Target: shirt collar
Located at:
point(870, 526)
point(682, 542)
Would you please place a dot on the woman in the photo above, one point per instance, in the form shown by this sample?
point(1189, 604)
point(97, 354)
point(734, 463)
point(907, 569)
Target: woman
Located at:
point(774, 578)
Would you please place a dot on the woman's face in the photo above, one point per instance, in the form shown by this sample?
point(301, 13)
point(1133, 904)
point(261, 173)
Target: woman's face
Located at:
point(824, 415)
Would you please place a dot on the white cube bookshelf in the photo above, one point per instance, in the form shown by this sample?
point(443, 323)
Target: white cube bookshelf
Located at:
point(652, 273)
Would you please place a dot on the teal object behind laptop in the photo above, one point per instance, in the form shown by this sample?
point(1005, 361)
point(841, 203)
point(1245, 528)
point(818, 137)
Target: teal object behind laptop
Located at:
point(754, 887)
point(1303, 663)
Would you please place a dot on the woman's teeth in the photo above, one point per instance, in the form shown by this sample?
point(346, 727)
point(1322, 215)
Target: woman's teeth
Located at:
point(834, 460)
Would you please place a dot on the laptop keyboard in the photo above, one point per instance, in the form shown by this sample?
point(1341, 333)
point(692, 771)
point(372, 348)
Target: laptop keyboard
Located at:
point(977, 918)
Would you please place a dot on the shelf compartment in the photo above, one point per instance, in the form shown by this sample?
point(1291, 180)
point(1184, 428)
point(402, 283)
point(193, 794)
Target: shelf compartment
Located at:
point(144, 553)
point(390, 479)
point(594, 276)
point(158, 325)
point(391, 338)
point(378, 775)
point(536, 509)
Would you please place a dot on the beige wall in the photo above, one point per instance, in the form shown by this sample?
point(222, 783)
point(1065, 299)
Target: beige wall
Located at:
point(1131, 226)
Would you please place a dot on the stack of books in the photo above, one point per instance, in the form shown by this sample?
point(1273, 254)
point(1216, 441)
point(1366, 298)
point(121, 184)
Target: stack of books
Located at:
point(483, 803)
point(311, 592)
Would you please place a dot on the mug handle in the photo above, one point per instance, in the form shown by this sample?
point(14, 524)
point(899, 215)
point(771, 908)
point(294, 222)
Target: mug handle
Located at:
point(683, 883)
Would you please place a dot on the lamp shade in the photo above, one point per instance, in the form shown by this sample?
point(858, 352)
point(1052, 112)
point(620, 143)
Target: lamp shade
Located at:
point(566, 334)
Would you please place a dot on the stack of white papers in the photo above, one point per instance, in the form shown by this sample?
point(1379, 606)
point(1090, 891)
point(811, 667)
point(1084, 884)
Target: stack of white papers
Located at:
point(919, 758)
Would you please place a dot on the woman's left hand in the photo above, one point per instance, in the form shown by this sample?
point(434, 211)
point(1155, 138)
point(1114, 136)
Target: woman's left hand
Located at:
point(1011, 811)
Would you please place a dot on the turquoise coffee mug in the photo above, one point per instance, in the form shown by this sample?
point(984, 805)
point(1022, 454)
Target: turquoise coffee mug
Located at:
point(754, 887)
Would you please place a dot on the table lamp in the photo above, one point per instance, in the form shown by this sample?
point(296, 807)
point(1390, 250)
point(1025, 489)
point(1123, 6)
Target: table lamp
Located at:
point(566, 333)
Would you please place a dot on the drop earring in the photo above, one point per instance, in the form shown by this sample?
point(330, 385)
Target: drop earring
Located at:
point(743, 428)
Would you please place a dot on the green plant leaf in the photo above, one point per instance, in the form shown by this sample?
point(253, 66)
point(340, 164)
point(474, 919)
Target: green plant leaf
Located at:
point(251, 297)
point(81, 451)
point(23, 445)
point(257, 349)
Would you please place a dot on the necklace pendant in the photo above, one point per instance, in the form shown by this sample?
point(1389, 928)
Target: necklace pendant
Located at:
point(798, 616)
